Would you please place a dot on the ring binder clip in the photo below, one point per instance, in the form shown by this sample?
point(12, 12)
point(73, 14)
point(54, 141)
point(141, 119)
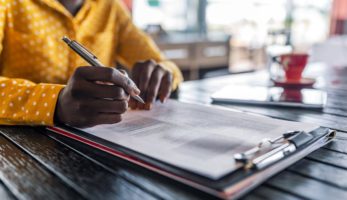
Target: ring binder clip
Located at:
point(266, 152)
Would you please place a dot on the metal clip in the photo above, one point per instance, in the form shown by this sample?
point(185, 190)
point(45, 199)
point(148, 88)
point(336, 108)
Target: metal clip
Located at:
point(263, 146)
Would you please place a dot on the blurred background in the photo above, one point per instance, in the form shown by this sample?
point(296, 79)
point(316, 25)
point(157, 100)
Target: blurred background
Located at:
point(209, 38)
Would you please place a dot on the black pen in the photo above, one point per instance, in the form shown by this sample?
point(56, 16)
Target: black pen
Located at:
point(92, 59)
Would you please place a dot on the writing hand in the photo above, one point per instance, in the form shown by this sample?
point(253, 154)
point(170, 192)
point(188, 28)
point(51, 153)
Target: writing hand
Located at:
point(86, 101)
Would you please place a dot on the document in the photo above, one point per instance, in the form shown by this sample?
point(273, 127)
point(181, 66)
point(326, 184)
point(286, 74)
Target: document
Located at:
point(197, 138)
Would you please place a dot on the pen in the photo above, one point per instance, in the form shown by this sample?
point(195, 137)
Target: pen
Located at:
point(263, 146)
point(273, 156)
point(289, 147)
point(91, 59)
point(290, 142)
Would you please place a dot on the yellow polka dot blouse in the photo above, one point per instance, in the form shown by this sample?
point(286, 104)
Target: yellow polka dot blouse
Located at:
point(35, 64)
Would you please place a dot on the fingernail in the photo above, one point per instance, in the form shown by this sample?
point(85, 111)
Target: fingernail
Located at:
point(137, 91)
point(165, 99)
point(148, 106)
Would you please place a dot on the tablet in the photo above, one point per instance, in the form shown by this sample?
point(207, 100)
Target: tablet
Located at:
point(275, 96)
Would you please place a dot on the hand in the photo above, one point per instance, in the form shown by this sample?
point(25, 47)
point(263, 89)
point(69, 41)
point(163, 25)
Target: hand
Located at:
point(94, 95)
point(154, 82)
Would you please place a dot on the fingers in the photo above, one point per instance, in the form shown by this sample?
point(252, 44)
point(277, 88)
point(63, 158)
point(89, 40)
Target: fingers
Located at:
point(94, 112)
point(107, 74)
point(103, 106)
point(136, 71)
point(148, 68)
point(140, 68)
point(165, 87)
point(101, 118)
point(101, 91)
point(141, 74)
point(153, 80)
point(153, 87)
point(94, 96)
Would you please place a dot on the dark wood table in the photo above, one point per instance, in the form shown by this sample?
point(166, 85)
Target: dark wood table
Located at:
point(36, 164)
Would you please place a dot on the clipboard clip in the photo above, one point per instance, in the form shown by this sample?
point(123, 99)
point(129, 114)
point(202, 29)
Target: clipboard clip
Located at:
point(269, 151)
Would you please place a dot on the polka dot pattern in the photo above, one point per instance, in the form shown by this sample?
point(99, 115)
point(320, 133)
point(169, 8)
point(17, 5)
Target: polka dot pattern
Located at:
point(35, 52)
point(24, 102)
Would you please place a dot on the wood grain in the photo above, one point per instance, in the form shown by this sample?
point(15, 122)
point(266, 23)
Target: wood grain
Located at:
point(269, 193)
point(329, 157)
point(306, 188)
point(27, 179)
point(323, 172)
point(39, 165)
point(90, 179)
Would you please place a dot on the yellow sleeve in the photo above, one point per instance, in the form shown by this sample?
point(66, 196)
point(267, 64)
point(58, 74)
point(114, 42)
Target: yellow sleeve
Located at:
point(21, 101)
point(134, 45)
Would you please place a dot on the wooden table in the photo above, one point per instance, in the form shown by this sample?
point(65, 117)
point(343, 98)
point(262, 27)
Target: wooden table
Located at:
point(36, 164)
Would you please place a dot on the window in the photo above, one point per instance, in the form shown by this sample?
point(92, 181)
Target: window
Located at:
point(250, 21)
point(172, 15)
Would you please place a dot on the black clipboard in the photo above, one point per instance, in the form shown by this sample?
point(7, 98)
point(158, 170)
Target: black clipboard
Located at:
point(231, 186)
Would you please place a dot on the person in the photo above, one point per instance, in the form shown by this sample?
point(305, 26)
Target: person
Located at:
point(43, 82)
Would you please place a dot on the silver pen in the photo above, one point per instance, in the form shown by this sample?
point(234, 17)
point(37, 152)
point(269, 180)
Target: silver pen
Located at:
point(290, 146)
point(91, 59)
point(273, 156)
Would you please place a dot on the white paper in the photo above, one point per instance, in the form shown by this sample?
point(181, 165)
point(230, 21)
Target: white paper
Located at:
point(201, 139)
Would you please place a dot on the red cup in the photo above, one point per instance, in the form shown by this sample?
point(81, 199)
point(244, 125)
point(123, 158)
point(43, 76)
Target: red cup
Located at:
point(291, 95)
point(293, 65)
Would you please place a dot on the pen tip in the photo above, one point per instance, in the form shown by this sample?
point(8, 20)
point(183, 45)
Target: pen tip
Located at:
point(139, 99)
point(66, 39)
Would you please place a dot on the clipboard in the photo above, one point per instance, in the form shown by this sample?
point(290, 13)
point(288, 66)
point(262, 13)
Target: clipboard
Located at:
point(231, 186)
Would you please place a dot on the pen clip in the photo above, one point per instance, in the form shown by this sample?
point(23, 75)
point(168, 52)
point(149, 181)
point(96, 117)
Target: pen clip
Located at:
point(266, 147)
